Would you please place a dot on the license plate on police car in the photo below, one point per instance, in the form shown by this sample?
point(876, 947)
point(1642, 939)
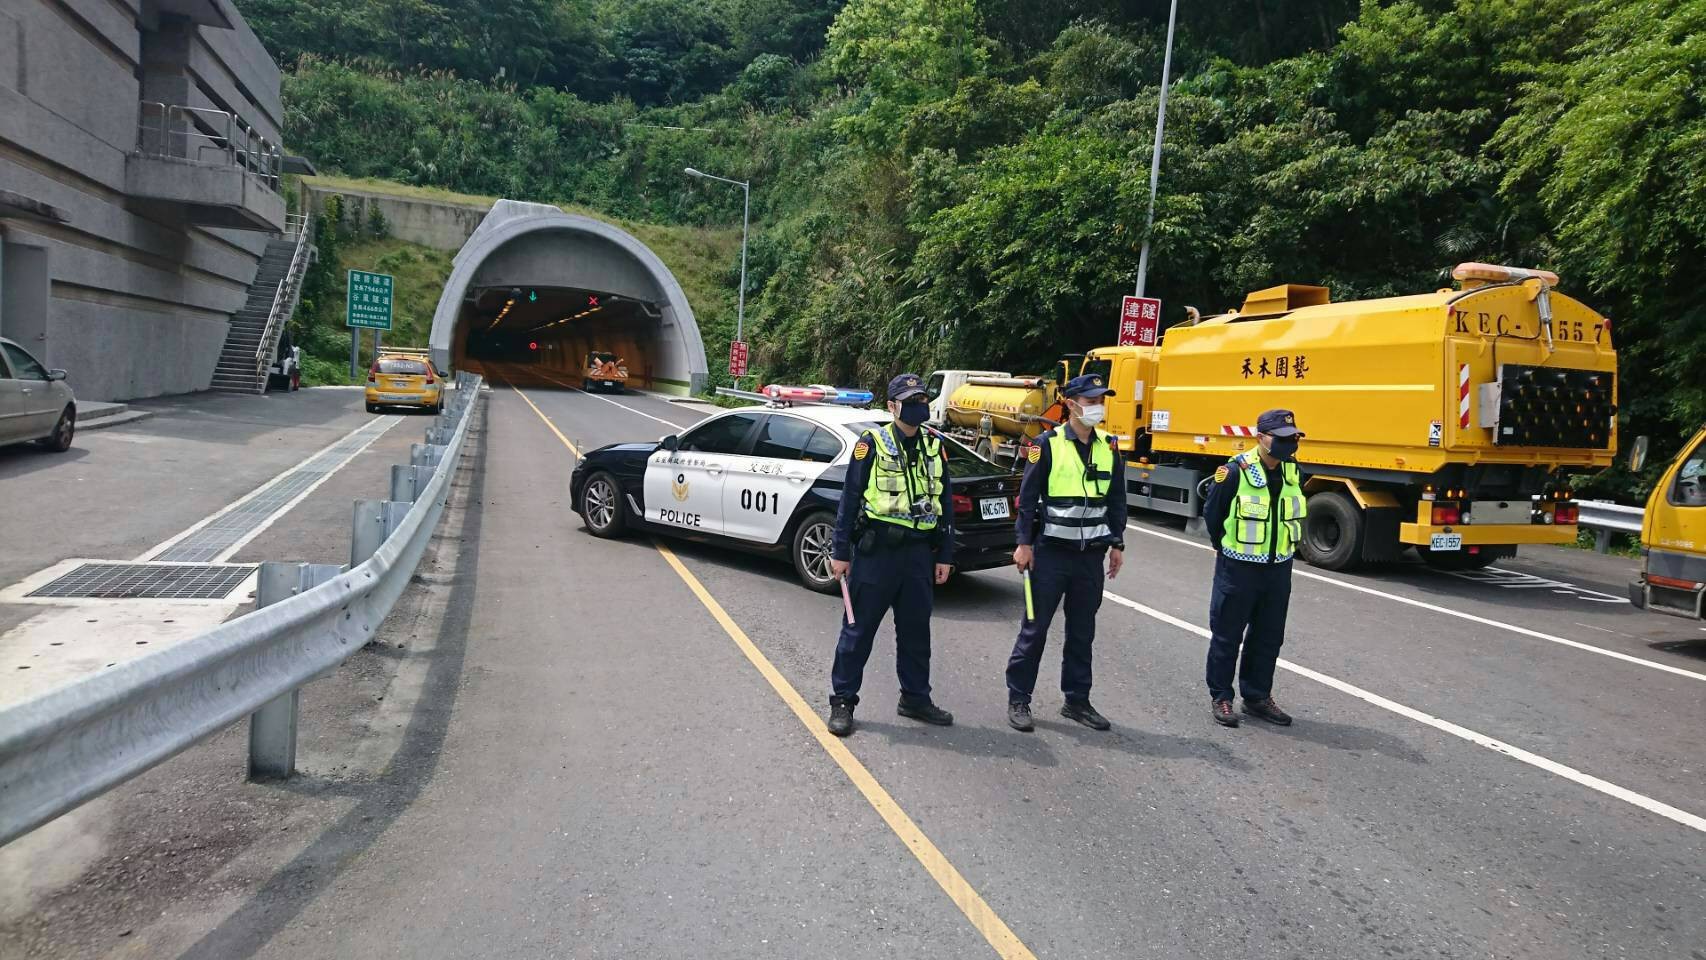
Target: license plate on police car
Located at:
point(994, 509)
point(1446, 541)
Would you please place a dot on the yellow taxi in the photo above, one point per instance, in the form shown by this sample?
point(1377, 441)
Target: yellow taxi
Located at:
point(403, 381)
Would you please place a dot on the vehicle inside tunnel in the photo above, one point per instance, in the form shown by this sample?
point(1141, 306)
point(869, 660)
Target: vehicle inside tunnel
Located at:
point(539, 292)
point(570, 334)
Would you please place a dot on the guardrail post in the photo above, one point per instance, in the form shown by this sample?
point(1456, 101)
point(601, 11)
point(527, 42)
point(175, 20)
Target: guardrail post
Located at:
point(272, 728)
point(368, 532)
point(1602, 541)
point(392, 513)
point(404, 482)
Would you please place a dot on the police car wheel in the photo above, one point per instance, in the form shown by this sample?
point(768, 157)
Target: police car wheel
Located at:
point(813, 542)
point(1332, 532)
point(602, 507)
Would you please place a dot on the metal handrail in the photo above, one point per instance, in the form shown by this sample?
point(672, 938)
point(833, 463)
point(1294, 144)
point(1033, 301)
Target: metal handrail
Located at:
point(239, 143)
point(74, 743)
point(284, 299)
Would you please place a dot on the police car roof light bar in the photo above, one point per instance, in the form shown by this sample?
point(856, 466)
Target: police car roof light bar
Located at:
point(846, 395)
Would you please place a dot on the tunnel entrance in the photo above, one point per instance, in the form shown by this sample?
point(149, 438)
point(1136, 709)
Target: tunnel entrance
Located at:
point(536, 289)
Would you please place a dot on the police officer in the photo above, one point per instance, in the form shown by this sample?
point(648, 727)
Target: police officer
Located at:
point(1255, 514)
point(1071, 522)
point(894, 540)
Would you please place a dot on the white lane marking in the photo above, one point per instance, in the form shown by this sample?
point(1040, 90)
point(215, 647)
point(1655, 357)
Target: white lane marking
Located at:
point(1459, 614)
point(243, 541)
point(1446, 726)
point(608, 400)
point(1517, 580)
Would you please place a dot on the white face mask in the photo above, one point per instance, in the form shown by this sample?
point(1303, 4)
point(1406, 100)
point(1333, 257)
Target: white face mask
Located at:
point(1091, 414)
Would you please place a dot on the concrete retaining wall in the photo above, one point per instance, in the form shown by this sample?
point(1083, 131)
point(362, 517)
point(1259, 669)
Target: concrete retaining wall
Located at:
point(430, 223)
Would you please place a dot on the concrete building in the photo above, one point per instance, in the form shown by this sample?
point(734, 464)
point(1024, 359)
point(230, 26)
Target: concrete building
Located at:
point(139, 186)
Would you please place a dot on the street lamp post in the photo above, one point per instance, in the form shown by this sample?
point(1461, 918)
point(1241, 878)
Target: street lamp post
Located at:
point(745, 222)
point(1155, 160)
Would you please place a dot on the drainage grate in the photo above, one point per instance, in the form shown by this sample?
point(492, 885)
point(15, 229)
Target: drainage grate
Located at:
point(246, 518)
point(148, 581)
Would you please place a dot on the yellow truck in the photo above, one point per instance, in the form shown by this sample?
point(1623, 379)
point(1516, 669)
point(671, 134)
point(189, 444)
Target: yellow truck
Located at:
point(995, 413)
point(1673, 537)
point(1445, 421)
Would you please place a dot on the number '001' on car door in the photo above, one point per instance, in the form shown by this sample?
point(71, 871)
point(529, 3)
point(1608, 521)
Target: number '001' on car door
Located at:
point(787, 456)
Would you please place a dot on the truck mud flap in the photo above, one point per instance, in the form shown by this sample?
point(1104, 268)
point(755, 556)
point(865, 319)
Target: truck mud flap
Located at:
point(1380, 535)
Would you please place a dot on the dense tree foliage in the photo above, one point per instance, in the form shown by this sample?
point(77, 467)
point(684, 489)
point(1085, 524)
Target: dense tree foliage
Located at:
point(965, 181)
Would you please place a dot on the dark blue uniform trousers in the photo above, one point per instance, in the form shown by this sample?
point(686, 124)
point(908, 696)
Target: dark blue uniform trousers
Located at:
point(1248, 608)
point(902, 579)
point(1059, 572)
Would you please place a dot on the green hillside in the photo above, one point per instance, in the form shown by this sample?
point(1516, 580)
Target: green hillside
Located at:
point(965, 183)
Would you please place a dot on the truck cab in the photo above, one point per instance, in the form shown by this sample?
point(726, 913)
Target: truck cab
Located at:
point(1673, 537)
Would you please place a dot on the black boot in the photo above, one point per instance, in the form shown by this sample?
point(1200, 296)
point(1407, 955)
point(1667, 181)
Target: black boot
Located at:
point(1019, 717)
point(925, 711)
point(1268, 710)
point(1081, 711)
point(840, 716)
point(1223, 714)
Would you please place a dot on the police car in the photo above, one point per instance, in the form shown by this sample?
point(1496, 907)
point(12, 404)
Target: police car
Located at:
point(768, 478)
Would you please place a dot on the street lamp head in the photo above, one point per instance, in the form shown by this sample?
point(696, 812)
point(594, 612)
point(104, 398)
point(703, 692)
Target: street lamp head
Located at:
point(692, 172)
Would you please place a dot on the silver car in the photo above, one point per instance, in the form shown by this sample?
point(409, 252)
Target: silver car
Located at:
point(35, 402)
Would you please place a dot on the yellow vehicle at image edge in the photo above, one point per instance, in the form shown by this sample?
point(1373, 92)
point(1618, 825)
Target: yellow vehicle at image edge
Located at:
point(1446, 421)
point(404, 378)
point(1673, 537)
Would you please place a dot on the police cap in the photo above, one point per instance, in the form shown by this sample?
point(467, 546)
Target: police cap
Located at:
point(1086, 387)
point(1278, 423)
point(906, 385)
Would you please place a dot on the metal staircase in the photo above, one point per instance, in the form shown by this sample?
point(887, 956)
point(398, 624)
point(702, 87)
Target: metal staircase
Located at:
point(251, 340)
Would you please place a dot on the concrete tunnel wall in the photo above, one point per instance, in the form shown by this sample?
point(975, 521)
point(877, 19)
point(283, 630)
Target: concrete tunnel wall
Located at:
point(536, 245)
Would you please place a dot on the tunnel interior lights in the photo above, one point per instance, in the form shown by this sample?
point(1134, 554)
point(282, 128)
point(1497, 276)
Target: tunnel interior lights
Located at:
point(501, 314)
point(554, 323)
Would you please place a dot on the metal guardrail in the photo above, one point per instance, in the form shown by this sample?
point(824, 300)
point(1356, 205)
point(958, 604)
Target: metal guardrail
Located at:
point(74, 743)
point(172, 131)
point(287, 295)
point(1605, 518)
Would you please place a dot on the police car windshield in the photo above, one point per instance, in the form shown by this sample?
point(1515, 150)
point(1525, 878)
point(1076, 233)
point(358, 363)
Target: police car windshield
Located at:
point(962, 463)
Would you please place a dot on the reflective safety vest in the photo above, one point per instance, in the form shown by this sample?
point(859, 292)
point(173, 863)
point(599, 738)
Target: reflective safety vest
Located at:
point(1075, 508)
point(896, 484)
point(1262, 528)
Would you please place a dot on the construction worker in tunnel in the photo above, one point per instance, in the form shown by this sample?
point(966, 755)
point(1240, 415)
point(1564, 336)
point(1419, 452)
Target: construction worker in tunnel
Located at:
point(1254, 511)
point(894, 542)
point(1071, 526)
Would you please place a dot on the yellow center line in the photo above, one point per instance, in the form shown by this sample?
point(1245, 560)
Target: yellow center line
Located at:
point(566, 442)
point(1006, 943)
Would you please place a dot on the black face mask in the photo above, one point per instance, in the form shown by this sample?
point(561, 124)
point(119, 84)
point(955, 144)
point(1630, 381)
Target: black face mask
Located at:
point(1283, 449)
point(914, 412)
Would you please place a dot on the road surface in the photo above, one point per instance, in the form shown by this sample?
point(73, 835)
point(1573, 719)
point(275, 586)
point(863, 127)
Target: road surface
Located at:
point(618, 752)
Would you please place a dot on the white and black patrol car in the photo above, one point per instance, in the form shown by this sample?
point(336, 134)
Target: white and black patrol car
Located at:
point(768, 479)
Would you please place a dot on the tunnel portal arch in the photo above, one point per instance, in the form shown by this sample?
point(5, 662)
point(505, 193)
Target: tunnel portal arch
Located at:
point(531, 246)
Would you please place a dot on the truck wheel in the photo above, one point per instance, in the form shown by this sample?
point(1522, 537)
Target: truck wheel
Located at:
point(1333, 531)
point(813, 541)
point(1457, 559)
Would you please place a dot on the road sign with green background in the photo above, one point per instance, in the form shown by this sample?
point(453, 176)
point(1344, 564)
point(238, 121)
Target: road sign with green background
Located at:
point(368, 300)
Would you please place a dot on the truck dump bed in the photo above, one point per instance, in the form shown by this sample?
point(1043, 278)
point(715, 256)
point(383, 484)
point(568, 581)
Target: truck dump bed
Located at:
point(1403, 384)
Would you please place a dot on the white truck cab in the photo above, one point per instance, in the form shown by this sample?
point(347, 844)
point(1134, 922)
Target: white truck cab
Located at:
point(943, 383)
